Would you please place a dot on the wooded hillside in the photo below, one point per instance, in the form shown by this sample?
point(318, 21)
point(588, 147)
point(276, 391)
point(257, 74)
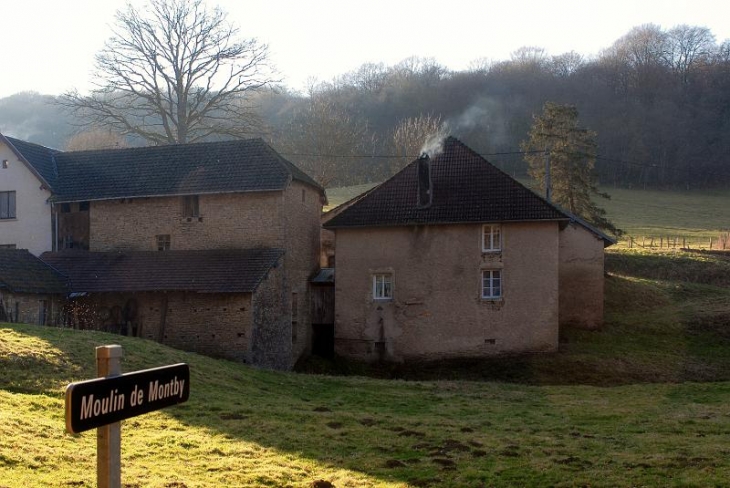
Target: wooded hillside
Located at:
point(658, 99)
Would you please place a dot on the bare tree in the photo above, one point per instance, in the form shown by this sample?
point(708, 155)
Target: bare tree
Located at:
point(688, 47)
point(323, 138)
point(175, 72)
point(409, 137)
point(96, 138)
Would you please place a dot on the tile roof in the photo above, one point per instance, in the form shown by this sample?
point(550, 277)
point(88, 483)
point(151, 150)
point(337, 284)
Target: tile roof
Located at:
point(214, 271)
point(41, 159)
point(21, 272)
point(466, 188)
point(208, 167)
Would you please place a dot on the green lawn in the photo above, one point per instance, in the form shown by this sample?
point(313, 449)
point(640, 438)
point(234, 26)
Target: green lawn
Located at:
point(643, 402)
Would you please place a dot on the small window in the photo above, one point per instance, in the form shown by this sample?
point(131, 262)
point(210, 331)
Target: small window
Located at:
point(65, 208)
point(383, 286)
point(83, 206)
point(304, 195)
point(491, 284)
point(163, 242)
point(7, 205)
point(6, 163)
point(190, 206)
point(491, 238)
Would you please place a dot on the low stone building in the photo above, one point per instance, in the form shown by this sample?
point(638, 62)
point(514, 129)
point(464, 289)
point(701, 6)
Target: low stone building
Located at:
point(221, 303)
point(30, 291)
point(452, 257)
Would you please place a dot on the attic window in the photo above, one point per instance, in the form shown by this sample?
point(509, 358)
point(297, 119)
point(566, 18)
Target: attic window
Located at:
point(191, 206)
point(163, 242)
point(6, 163)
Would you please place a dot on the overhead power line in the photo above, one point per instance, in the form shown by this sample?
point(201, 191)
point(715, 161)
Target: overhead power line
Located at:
point(507, 153)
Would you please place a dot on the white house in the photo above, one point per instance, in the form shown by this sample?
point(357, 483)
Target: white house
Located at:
point(25, 192)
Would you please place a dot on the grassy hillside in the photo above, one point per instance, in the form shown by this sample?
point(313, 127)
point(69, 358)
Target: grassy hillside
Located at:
point(665, 422)
point(696, 215)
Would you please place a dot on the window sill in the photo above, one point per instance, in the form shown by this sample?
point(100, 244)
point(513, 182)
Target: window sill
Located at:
point(14, 219)
point(492, 300)
point(191, 219)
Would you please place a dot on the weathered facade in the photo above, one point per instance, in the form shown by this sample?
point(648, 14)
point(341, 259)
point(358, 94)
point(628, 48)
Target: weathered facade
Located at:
point(453, 258)
point(30, 291)
point(231, 195)
point(581, 276)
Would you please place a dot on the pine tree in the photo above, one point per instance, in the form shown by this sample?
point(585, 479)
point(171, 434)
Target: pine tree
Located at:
point(571, 150)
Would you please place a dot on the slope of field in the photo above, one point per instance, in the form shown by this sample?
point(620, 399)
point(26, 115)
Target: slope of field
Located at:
point(665, 348)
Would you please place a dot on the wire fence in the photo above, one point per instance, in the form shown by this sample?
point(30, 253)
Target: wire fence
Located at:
point(721, 242)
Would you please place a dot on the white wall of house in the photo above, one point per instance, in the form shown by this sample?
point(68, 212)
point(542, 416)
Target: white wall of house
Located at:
point(31, 228)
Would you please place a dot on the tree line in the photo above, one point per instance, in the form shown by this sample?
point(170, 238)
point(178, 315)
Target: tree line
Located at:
point(657, 101)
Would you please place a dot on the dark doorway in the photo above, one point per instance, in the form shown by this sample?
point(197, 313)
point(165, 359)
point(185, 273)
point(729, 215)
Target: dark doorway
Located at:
point(323, 340)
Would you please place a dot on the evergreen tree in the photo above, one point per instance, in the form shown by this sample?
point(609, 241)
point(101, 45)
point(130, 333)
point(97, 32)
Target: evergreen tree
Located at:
point(571, 150)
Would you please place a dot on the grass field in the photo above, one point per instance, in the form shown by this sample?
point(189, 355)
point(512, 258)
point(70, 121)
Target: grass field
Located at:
point(643, 402)
point(694, 215)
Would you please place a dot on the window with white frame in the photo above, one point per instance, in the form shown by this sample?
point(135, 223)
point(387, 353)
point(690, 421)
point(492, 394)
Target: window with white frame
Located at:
point(491, 238)
point(383, 286)
point(491, 284)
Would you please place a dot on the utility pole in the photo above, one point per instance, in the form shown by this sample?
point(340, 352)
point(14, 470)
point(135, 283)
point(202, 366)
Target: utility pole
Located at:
point(548, 183)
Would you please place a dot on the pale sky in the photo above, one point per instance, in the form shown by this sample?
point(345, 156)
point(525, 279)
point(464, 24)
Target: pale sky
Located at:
point(49, 45)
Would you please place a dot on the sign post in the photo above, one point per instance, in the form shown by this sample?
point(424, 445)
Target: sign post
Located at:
point(109, 437)
point(102, 403)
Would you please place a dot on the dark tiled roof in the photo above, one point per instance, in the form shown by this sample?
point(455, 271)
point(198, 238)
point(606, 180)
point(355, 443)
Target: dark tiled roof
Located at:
point(21, 272)
point(41, 159)
point(216, 271)
point(466, 188)
point(210, 167)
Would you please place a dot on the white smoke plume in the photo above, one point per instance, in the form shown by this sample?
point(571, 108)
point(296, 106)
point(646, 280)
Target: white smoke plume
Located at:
point(482, 115)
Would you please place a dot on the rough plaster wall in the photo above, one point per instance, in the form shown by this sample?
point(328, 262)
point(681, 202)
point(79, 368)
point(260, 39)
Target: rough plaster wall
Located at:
point(31, 229)
point(271, 334)
point(581, 278)
point(437, 310)
point(227, 221)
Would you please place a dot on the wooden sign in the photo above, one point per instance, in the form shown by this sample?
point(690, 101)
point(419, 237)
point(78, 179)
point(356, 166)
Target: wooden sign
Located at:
point(94, 403)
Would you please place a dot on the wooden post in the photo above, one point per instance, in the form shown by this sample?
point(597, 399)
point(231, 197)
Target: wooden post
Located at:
point(109, 437)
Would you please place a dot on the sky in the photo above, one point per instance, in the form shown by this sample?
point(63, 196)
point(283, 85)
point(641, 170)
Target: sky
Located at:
point(49, 45)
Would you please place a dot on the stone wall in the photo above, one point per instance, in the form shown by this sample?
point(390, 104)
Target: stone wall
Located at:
point(437, 310)
point(581, 278)
point(27, 308)
point(217, 325)
point(227, 221)
point(302, 211)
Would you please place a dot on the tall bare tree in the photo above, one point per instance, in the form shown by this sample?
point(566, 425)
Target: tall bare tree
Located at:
point(175, 72)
